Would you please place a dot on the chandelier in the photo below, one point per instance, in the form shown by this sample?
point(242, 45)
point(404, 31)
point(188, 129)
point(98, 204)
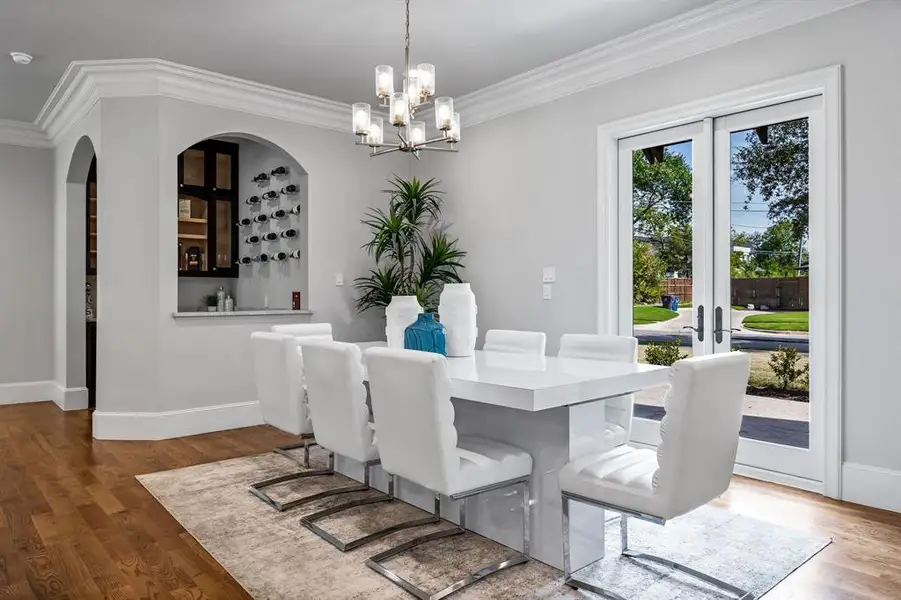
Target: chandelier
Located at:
point(418, 89)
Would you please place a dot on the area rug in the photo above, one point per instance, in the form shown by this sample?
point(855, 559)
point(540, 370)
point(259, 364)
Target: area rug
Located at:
point(275, 558)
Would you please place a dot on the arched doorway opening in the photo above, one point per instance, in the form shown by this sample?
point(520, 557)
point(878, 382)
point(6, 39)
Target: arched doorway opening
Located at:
point(80, 255)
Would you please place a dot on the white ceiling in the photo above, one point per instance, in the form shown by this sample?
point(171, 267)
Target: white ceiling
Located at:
point(327, 48)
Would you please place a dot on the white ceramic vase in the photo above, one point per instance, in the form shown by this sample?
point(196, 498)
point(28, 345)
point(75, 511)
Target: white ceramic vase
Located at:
point(400, 312)
point(457, 310)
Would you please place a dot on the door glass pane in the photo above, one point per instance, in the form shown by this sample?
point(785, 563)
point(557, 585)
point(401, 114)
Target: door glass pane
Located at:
point(224, 227)
point(192, 234)
point(661, 261)
point(193, 167)
point(223, 171)
point(769, 277)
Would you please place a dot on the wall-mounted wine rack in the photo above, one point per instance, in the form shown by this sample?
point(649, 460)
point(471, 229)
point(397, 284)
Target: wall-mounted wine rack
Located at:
point(273, 187)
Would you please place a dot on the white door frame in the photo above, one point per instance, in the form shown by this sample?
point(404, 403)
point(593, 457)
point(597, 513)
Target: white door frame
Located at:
point(825, 82)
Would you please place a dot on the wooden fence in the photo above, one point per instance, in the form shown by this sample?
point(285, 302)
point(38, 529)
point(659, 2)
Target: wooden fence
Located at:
point(776, 293)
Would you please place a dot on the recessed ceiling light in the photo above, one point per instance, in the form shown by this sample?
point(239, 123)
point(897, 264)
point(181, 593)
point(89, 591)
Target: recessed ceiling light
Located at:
point(21, 58)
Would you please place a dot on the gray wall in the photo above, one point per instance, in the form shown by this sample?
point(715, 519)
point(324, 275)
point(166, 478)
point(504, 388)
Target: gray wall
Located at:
point(26, 278)
point(274, 281)
point(522, 194)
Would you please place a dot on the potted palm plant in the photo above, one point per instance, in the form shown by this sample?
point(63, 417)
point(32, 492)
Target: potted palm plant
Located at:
point(414, 256)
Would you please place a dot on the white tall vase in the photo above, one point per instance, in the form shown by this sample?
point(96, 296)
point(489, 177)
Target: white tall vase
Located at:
point(401, 312)
point(457, 310)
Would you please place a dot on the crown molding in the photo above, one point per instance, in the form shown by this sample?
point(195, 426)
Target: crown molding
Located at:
point(720, 24)
point(20, 133)
point(86, 82)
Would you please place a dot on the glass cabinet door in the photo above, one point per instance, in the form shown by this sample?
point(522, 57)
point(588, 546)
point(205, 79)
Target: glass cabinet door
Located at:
point(193, 227)
point(207, 210)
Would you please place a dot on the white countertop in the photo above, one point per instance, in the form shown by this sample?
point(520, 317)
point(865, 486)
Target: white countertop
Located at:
point(535, 383)
point(263, 312)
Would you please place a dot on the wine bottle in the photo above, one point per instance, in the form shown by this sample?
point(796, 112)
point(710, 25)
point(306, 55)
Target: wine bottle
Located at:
point(270, 195)
point(253, 200)
point(252, 239)
point(289, 233)
point(245, 260)
point(270, 236)
point(261, 177)
point(260, 218)
point(245, 222)
point(262, 258)
point(295, 210)
point(279, 171)
point(290, 190)
point(279, 256)
point(279, 213)
point(295, 254)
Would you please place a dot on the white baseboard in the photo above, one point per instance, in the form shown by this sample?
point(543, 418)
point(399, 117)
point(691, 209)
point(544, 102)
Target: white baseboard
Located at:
point(175, 423)
point(70, 398)
point(871, 486)
point(27, 391)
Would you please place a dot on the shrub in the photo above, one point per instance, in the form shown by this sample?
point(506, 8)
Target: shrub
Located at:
point(663, 353)
point(784, 363)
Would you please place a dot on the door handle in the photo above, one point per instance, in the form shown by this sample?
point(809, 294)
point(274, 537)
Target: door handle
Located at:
point(718, 325)
point(700, 328)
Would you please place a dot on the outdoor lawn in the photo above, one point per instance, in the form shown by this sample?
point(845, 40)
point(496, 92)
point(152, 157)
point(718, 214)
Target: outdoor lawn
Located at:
point(645, 315)
point(778, 321)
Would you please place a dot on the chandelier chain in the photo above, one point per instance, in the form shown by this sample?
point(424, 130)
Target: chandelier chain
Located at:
point(407, 38)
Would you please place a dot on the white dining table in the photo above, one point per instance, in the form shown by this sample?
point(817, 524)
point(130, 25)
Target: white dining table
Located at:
point(554, 409)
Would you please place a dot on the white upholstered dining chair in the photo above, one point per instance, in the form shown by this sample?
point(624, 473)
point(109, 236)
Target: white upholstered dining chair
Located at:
point(417, 440)
point(618, 410)
point(515, 342)
point(278, 373)
point(692, 466)
point(337, 399)
point(322, 331)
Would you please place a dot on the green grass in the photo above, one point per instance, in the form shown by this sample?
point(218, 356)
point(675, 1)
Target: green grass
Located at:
point(779, 321)
point(645, 315)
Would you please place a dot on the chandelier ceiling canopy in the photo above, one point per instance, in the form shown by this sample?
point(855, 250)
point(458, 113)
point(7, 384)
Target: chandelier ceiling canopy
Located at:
point(418, 91)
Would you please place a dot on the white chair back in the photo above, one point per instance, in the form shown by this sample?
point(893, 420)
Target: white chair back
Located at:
point(414, 417)
point(337, 398)
point(700, 431)
point(516, 342)
point(610, 348)
point(279, 381)
point(306, 330)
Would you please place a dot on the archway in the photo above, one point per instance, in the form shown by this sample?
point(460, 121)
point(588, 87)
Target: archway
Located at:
point(262, 274)
point(81, 164)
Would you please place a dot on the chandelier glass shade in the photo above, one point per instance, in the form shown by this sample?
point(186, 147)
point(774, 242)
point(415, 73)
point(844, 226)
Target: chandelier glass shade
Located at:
point(418, 91)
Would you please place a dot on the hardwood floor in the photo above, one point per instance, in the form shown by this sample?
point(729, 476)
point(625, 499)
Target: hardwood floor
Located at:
point(74, 523)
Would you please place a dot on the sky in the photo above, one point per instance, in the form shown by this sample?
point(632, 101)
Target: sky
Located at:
point(753, 220)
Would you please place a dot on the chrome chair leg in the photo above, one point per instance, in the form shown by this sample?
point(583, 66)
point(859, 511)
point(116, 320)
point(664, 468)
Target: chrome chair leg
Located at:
point(309, 521)
point(571, 581)
point(375, 562)
point(307, 440)
point(257, 488)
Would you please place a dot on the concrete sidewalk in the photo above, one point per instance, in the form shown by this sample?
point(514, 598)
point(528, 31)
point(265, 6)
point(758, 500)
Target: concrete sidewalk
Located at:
point(761, 340)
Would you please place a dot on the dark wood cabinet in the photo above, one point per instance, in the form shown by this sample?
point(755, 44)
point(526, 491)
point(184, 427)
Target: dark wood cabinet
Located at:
point(208, 210)
point(91, 218)
point(91, 362)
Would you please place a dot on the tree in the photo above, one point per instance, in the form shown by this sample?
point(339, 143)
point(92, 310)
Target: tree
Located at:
point(661, 207)
point(661, 193)
point(779, 170)
point(648, 272)
point(774, 253)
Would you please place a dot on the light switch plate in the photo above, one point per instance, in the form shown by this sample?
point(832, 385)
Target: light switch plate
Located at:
point(339, 279)
point(547, 291)
point(549, 275)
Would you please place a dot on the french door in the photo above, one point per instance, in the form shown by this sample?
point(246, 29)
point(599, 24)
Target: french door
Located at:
point(716, 227)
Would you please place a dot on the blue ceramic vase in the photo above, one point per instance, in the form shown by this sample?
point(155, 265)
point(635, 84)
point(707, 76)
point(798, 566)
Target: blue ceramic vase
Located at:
point(426, 334)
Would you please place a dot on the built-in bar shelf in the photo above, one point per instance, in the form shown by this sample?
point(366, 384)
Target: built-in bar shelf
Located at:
point(191, 220)
point(191, 236)
point(93, 235)
point(93, 252)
